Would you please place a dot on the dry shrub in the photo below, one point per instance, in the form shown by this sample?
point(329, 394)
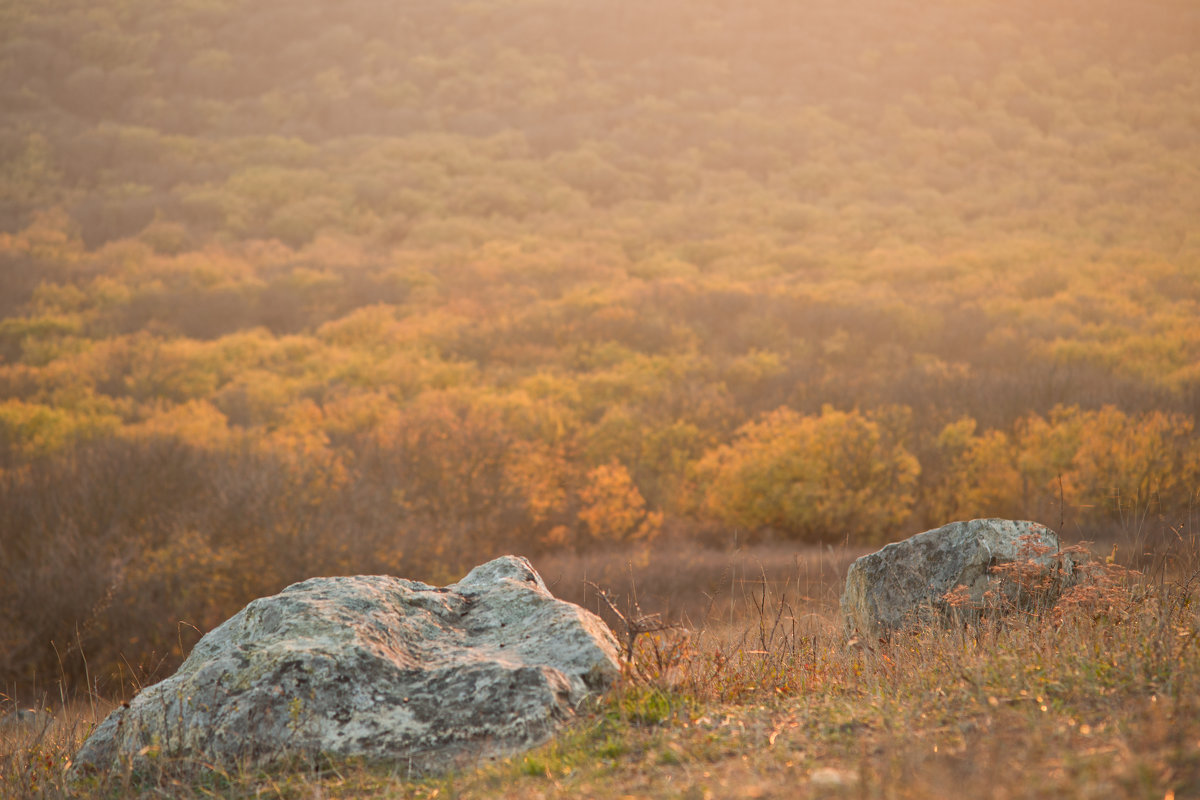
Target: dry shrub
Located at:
point(1033, 583)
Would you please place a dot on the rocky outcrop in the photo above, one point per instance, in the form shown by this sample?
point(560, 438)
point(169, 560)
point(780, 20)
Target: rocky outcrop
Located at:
point(987, 564)
point(372, 666)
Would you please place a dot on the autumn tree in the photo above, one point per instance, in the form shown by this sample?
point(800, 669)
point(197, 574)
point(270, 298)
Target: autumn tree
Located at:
point(836, 474)
point(613, 510)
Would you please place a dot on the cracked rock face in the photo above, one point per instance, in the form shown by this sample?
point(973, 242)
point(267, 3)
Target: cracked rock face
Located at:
point(373, 666)
point(904, 583)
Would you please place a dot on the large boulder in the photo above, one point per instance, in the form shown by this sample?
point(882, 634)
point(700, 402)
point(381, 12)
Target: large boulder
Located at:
point(372, 666)
point(987, 564)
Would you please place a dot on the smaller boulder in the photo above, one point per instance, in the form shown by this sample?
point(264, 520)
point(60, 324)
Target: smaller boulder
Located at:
point(968, 567)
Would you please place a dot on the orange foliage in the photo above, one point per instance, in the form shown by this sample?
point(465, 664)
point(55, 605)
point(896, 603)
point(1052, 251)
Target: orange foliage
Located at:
point(613, 510)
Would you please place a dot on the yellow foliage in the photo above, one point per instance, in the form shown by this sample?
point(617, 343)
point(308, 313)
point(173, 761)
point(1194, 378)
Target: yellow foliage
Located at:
point(301, 444)
point(197, 423)
point(1133, 461)
point(33, 429)
point(978, 475)
point(830, 475)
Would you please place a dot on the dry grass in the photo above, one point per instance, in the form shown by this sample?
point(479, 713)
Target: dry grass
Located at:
point(757, 694)
point(698, 586)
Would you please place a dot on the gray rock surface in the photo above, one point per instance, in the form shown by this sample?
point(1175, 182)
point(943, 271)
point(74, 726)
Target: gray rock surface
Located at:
point(372, 666)
point(905, 583)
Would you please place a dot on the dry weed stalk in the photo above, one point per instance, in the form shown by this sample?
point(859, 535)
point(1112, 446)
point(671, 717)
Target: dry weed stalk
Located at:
point(633, 624)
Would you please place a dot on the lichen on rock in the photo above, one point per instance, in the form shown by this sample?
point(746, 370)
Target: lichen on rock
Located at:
point(372, 666)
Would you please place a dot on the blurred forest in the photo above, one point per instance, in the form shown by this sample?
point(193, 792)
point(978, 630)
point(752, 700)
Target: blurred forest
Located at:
point(311, 287)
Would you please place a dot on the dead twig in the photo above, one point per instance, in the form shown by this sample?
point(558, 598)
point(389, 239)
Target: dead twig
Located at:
point(634, 624)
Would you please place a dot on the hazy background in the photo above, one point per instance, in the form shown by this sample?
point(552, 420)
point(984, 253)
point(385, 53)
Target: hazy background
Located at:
point(292, 287)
